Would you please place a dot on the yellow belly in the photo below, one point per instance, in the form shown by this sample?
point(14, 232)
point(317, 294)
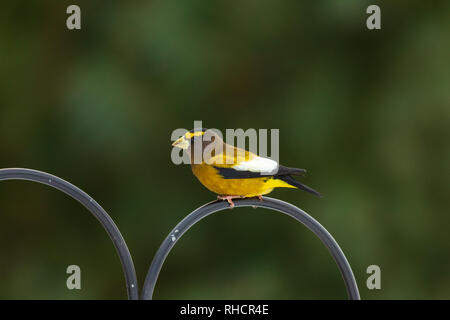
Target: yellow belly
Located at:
point(250, 187)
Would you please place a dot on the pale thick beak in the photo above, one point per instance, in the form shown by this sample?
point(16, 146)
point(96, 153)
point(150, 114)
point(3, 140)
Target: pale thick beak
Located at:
point(181, 143)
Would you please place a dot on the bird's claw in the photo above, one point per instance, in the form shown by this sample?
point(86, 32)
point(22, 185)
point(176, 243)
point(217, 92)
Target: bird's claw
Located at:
point(229, 199)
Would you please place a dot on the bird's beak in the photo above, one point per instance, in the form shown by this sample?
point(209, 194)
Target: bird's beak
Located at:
point(181, 143)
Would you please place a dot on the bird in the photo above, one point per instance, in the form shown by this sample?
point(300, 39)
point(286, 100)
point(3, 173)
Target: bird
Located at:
point(232, 172)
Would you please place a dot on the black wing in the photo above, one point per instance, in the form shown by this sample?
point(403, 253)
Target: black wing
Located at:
point(230, 173)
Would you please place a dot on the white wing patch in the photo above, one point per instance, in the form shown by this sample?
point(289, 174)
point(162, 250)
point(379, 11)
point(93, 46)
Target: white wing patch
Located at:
point(258, 164)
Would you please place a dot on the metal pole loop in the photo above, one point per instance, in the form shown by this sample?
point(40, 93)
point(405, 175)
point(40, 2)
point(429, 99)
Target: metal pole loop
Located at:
point(198, 214)
point(268, 203)
point(90, 204)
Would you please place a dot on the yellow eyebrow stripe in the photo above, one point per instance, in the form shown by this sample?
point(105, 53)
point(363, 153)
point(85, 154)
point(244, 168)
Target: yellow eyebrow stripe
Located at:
point(189, 135)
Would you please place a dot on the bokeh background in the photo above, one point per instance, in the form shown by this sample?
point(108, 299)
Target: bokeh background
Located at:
point(366, 112)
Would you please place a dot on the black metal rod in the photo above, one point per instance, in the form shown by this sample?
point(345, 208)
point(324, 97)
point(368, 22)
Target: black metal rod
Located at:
point(269, 203)
point(90, 204)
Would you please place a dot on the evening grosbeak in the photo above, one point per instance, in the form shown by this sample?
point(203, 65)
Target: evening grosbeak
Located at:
point(232, 172)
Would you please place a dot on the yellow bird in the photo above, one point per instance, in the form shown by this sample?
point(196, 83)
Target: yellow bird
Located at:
point(232, 172)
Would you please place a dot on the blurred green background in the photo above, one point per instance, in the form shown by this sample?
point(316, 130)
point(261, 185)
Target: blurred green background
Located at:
point(366, 112)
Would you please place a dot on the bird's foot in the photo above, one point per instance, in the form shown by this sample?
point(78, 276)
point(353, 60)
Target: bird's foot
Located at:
point(229, 199)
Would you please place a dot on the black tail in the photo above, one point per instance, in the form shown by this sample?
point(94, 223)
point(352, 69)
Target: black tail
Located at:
point(295, 183)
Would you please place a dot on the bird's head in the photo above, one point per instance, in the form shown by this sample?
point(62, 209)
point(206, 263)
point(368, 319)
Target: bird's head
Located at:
point(197, 141)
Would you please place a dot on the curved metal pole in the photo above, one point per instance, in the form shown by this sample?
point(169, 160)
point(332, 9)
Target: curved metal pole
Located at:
point(269, 203)
point(90, 204)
